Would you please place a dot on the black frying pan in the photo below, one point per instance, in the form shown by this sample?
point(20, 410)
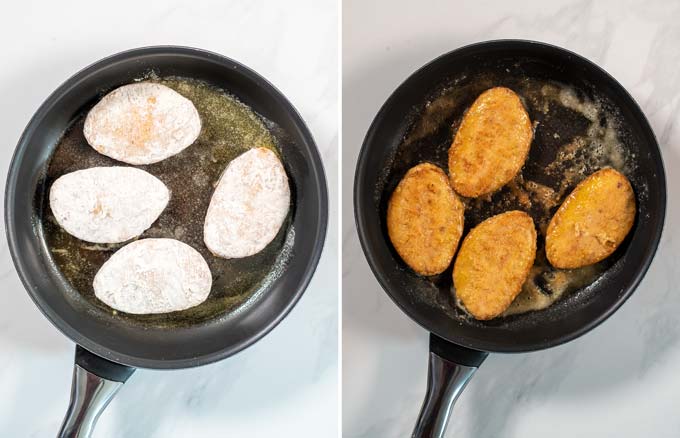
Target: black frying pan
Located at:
point(110, 346)
point(458, 343)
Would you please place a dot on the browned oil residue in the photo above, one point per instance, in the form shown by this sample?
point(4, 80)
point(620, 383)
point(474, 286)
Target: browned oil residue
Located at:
point(574, 136)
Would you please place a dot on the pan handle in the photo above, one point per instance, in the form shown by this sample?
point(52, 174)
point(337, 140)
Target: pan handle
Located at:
point(95, 382)
point(451, 367)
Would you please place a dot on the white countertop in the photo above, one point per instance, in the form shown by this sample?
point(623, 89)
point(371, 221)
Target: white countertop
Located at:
point(620, 380)
point(286, 384)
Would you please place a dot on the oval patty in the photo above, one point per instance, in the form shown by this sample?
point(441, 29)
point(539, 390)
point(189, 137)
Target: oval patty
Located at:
point(425, 219)
point(249, 205)
point(493, 263)
point(142, 123)
point(107, 204)
point(491, 144)
point(153, 276)
point(592, 222)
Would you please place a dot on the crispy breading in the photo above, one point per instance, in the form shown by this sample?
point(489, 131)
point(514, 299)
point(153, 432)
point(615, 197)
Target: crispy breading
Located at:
point(493, 263)
point(491, 145)
point(592, 222)
point(425, 219)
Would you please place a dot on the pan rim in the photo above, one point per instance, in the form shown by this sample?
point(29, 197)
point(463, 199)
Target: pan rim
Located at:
point(317, 175)
point(361, 221)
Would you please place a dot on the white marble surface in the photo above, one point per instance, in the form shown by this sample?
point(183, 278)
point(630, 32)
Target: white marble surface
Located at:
point(620, 380)
point(285, 385)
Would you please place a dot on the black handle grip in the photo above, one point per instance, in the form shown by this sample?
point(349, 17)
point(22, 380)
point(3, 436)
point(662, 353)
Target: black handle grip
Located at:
point(103, 368)
point(455, 353)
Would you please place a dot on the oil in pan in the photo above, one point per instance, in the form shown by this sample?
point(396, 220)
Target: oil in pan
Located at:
point(229, 128)
point(575, 134)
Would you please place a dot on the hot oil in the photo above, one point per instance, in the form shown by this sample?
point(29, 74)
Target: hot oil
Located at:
point(229, 128)
point(575, 134)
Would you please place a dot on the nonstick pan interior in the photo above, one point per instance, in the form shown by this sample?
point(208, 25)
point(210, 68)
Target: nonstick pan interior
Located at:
point(229, 128)
point(417, 124)
point(146, 342)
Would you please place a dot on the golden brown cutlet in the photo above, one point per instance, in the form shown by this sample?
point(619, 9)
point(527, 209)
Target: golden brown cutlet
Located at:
point(592, 221)
point(425, 219)
point(493, 263)
point(491, 145)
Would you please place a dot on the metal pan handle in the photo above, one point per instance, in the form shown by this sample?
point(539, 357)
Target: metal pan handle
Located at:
point(450, 368)
point(95, 382)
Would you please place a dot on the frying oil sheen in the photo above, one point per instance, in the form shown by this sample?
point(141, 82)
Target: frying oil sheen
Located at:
point(229, 128)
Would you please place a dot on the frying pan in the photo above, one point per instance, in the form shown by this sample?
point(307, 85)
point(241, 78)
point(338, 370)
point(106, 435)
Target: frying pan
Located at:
point(458, 343)
point(109, 348)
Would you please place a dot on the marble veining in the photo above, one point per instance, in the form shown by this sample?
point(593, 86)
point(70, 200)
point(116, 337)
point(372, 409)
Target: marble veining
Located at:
point(286, 384)
point(620, 380)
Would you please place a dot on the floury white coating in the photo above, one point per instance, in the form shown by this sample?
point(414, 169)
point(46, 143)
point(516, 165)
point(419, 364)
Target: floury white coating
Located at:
point(107, 204)
point(142, 123)
point(153, 276)
point(249, 205)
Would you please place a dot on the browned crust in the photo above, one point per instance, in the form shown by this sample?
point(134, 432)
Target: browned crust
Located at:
point(592, 221)
point(491, 145)
point(493, 262)
point(425, 219)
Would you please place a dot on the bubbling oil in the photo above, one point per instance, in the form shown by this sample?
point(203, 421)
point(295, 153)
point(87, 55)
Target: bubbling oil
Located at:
point(229, 128)
point(575, 134)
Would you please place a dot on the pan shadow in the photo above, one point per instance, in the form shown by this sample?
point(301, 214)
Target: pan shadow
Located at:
point(618, 353)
